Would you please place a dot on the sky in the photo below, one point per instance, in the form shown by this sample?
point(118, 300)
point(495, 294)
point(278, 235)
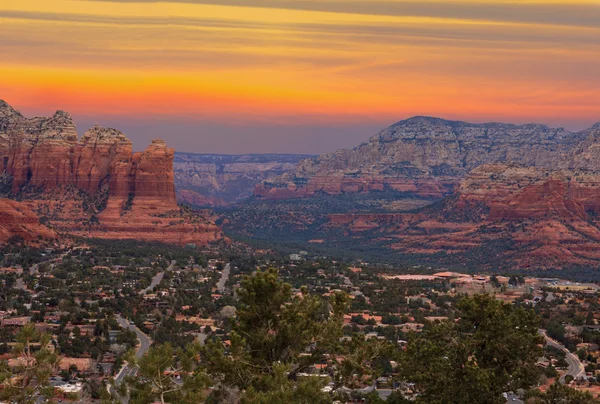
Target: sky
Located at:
point(298, 76)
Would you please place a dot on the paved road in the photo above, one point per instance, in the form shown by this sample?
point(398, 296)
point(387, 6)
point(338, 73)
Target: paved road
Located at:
point(224, 277)
point(144, 344)
point(512, 398)
point(576, 368)
point(157, 279)
point(34, 269)
point(144, 340)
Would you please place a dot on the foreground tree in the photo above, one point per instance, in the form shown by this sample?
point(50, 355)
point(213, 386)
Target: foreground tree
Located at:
point(275, 337)
point(157, 376)
point(31, 376)
point(561, 394)
point(491, 349)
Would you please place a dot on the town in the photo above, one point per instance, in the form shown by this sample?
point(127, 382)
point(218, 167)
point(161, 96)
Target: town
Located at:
point(101, 302)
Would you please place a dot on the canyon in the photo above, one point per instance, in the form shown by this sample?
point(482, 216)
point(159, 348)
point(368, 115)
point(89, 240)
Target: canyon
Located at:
point(95, 186)
point(219, 180)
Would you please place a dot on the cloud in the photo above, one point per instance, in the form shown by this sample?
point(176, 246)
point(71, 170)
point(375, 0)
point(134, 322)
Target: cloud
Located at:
point(571, 13)
point(320, 61)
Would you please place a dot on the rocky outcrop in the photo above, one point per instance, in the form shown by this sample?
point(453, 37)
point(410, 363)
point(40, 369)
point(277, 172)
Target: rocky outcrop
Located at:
point(17, 220)
point(221, 180)
point(98, 155)
point(36, 151)
point(540, 218)
point(95, 186)
point(430, 156)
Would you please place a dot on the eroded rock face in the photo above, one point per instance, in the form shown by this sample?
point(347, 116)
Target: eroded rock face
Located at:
point(36, 151)
point(17, 219)
point(96, 156)
point(545, 218)
point(95, 186)
point(430, 156)
point(154, 179)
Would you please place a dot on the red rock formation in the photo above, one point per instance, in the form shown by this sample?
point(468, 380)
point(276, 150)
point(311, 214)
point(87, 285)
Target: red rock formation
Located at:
point(195, 199)
point(430, 187)
point(96, 156)
point(430, 156)
point(16, 219)
point(96, 187)
point(154, 179)
point(39, 149)
point(551, 217)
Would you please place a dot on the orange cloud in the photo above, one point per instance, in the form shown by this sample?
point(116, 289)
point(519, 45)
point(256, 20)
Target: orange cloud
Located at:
point(330, 60)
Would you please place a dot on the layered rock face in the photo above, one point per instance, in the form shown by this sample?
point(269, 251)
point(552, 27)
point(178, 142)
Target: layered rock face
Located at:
point(540, 218)
point(429, 157)
point(18, 220)
point(95, 186)
point(36, 151)
point(221, 180)
point(98, 155)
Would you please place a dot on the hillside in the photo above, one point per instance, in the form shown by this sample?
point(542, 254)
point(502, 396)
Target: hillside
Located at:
point(430, 156)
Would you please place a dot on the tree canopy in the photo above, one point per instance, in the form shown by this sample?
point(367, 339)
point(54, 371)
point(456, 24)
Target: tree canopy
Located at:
point(491, 349)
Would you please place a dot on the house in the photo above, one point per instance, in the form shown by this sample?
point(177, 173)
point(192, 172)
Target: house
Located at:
point(113, 334)
point(16, 321)
point(85, 365)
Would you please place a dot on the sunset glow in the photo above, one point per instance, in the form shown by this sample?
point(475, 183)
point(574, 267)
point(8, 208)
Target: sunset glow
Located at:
point(321, 62)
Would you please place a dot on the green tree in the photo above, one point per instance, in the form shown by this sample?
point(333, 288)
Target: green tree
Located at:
point(36, 362)
point(491, 349)
point(560, 394)
point(276, 335)
point(157, 377)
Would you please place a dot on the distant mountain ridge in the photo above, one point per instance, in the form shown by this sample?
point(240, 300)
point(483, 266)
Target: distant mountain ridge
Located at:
point(429, 156)
point(221, 179)
point(501, 195)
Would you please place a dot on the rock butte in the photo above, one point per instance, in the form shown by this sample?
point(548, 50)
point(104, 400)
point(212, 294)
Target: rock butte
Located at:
point(94, 186)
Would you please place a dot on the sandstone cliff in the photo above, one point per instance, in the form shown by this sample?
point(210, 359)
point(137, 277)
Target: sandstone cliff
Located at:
point(17, 220)
point(95, 186)
point(430, 156)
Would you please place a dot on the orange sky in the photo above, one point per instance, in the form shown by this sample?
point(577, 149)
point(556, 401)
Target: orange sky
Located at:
point(273, 64)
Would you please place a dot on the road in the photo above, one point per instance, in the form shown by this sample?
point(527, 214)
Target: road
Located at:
point(144, 340)
point(576, 368)
point(144, 344)
point(224, 277)
point(513, 398)
point(157, 279)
